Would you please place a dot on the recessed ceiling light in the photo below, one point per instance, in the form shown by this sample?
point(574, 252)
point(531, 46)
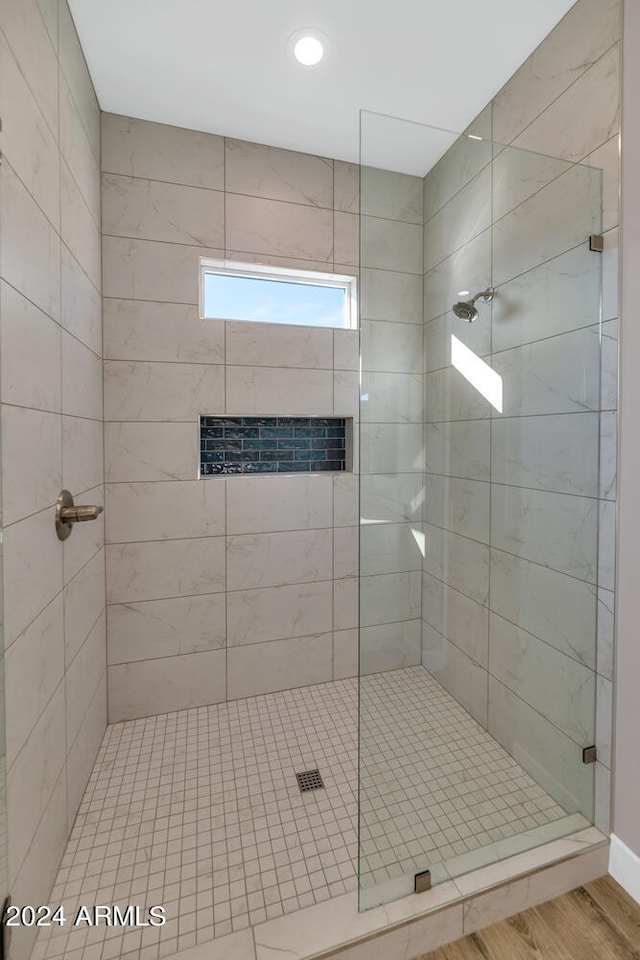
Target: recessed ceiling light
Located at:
point(308, 46)
point(464, 293)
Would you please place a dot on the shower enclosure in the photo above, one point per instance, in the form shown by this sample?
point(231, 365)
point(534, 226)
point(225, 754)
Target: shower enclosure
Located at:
point(485, 451)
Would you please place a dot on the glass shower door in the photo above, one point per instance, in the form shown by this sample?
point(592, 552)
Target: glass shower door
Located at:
point(480, 483)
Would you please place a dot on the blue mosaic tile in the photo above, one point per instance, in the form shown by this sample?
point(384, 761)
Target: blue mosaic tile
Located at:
point(233, 445)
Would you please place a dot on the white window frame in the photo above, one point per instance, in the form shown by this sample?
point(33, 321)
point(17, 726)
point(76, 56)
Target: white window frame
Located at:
point(263, 272)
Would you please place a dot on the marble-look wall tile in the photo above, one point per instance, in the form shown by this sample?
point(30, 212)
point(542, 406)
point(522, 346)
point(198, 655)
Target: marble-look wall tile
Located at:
point(607, 159)
point(84, 601)
point(33, 668)
point(552, 221)
point(461, 563)
point(438, 333)
point(173, 332)
point(78, 152)
point(33, 775)
point(87, 540)
point(608, 455)
point(609, 365)
point(82, 394)
point(518, 173)
point(561, 295)
point(27, 36)
point(255, 225)
point(345, 500)
point(138, 148)
point(345, 603)
point(393, 196)
point(82, 454)
point(32, 461)
point(150, 270)
point(81, 303)
point(268, 504)
point(76, 72)
point(458, 449)
point(391, 245)
point(393, 497)
point(469, 268)
point(607, 545)
point(557, 686)
point(456, 617)
point(606, 599)
point(346, 401)
point(154, 571)
point(30, 145)
point(31, 262)
point(579, 40)
point(462, 162)
point(463, 677)
point(346, 350)
point(574, 131)
point(346, 646)
point(557, 453)
point(278, 345)
point(391, 296)
point(142, 451)
point(155, 210)
point(450, 396)
point(30, 339)
point(277, 613)
point(390, 598)
point(278, 665)
point(390, 646)
point(559, 609)
point(278, 559)
point(547, 754)
point(391, 347)
point(556, 530)
point(154, 629)
point(140, 391)
point(32, 555)
point(82, 752)
point(465, 216)
point(147, 511)
point(78, 229)
point(390, 548)
point(346, 240)
point(83, 676)
point(346, 186)
point(391, 447)
point(150, 687)
point(604, 720)
point(272, 391)
point(346, 557)
point(461, 506)
point(257, 170)
point(559, 375)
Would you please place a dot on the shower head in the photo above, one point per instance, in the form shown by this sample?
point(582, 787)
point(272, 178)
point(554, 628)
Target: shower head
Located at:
point(466, 309)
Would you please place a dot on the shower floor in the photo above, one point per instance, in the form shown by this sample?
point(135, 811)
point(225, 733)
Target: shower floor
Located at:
point(200, 812)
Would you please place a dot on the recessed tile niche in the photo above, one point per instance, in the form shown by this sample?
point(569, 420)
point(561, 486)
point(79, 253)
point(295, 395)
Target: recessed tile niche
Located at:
point(233, 445)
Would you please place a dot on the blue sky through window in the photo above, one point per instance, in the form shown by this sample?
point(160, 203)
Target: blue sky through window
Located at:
point(233, 297)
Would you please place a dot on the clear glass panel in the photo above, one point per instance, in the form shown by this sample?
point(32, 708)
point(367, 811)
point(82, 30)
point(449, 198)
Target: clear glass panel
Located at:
point(479, 460)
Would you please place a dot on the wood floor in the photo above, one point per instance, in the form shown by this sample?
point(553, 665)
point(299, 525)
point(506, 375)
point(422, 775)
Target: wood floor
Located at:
point(596, 922)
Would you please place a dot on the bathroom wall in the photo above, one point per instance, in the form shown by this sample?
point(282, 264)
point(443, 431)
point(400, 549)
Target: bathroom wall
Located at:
point(511, 629)
point(391, 433)
point(51, 346)
point(222, 587)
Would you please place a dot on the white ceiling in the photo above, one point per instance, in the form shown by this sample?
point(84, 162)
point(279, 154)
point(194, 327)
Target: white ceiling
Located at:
point(224, 67)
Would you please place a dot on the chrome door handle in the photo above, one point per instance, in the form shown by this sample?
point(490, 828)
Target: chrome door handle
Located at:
point(67, 513)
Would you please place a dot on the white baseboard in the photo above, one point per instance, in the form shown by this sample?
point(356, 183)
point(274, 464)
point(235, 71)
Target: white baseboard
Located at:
point(624, 866)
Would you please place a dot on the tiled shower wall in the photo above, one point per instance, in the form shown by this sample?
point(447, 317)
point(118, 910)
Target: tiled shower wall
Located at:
point(51, 347)
point(392, 458)
point(222, 587)
point(487, 636)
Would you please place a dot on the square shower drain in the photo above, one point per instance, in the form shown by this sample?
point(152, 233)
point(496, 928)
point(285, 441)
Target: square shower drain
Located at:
point(309, 780)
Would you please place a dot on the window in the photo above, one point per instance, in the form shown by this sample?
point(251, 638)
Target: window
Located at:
point(243, 291)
